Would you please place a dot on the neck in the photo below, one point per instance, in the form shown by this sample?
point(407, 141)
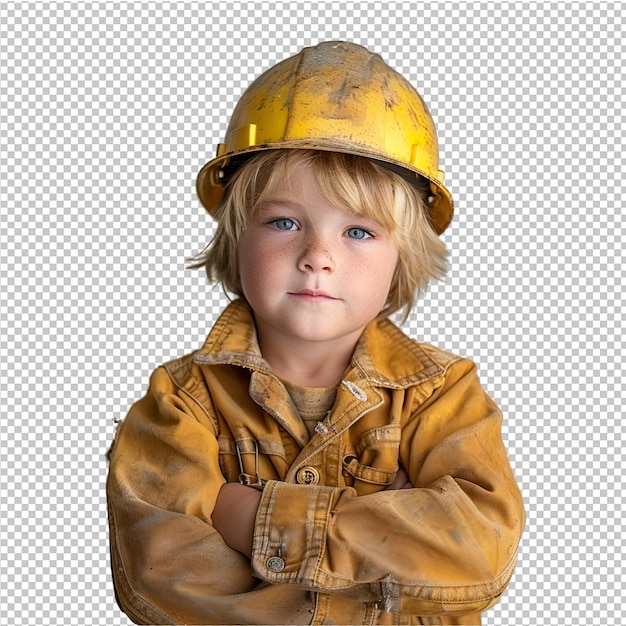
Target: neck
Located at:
point(308, 364)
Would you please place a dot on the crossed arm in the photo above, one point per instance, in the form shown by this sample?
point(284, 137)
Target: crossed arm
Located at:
point(455, 531)
point(236, 507)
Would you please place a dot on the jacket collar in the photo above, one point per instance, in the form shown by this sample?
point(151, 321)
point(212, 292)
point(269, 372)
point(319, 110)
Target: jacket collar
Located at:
point(384, 355)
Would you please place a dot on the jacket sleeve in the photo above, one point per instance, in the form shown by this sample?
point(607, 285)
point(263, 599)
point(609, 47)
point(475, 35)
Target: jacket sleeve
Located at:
point(446, 546)
point(169, 564)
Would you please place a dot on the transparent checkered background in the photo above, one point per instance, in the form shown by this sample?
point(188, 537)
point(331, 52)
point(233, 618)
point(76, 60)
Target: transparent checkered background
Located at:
point(108, 111)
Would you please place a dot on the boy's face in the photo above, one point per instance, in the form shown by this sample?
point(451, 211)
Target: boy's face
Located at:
point(310, 271)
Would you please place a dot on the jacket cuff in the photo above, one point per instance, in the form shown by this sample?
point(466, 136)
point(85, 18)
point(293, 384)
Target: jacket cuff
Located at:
point(290, 532)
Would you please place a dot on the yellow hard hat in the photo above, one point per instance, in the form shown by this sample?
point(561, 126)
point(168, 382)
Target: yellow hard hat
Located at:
point(335, 96)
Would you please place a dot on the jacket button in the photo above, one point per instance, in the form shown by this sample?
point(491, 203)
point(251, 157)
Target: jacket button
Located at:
point(275, 564)
point(307, 476)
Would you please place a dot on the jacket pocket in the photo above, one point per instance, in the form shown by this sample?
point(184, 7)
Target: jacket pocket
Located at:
point(365, 473)
point(371, 463)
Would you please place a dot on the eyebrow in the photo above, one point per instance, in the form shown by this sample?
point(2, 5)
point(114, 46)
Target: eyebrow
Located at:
point(273, 200)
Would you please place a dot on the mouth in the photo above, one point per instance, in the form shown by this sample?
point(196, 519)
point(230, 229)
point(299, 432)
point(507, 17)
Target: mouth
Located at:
point(315, 295)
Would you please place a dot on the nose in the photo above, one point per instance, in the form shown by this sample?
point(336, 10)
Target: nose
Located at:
point(316, 256)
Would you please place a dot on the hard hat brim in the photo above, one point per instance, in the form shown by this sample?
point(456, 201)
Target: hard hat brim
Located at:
point(214, 175)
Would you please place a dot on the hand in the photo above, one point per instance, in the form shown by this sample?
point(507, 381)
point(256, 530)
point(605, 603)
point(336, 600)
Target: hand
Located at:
point(234, 516)
point(401, 481)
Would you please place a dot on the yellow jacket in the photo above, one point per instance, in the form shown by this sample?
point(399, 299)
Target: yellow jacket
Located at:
point(331, 545)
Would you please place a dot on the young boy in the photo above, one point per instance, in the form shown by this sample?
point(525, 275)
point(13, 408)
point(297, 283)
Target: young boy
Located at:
point(311, 464)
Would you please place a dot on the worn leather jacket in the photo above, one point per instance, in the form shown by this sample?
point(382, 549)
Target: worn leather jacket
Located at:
point(331, 544)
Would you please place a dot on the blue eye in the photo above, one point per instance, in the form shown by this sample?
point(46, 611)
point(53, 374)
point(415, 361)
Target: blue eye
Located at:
point(358, 233)
point(284, 223)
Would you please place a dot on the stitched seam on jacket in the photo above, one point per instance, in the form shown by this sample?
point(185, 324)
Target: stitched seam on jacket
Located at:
point(181, 389)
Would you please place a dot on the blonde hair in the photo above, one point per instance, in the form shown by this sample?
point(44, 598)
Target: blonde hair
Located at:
point(354, 184)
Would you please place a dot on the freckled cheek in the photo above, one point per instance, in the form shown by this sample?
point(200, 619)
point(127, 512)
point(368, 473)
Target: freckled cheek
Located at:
point(379, 277)
point(263, 268)
point(381, 270)
point(371, 280)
